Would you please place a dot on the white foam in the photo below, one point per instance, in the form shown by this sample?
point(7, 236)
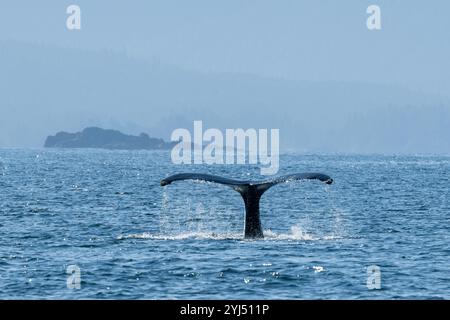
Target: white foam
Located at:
point(296, 234)
point(182, 236)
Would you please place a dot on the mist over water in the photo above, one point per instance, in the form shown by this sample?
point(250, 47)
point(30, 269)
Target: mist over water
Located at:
point(105, 212)
point(311, 69)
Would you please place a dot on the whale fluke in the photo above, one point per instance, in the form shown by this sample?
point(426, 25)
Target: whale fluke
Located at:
point(251, 192)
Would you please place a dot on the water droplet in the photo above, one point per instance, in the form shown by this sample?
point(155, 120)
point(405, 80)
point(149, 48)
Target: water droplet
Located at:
point(318, 269)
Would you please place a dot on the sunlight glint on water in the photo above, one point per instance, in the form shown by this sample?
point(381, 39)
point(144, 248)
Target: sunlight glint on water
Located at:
point(105, 212)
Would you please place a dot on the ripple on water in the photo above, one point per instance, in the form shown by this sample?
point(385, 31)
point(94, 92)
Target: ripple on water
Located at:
point(105, 212)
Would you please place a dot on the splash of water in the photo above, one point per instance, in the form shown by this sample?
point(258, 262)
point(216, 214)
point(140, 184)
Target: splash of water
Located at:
point(193, 218)
point(296, 233)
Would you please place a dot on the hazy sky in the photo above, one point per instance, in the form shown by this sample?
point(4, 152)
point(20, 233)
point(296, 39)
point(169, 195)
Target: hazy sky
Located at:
point(309, 40)
point(310, 68)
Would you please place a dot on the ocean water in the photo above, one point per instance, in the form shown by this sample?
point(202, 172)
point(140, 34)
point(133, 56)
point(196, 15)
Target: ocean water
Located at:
point(105, 212)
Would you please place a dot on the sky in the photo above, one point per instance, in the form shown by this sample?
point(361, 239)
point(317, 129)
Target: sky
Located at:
point(308, 40)
point(314, 42)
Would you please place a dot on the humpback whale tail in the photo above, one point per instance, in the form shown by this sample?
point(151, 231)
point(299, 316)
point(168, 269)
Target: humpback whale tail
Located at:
point(251, 192)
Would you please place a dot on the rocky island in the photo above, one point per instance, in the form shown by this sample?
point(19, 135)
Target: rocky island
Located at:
point(94, 137)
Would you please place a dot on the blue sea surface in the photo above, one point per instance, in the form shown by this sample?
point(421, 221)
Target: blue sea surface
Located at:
point(105, 212)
